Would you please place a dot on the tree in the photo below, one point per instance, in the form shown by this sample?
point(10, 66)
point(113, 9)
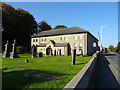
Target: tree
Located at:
point(60, 26)
point(17, 24)
point(43, 26)
point(111, 48)
point(118, 47)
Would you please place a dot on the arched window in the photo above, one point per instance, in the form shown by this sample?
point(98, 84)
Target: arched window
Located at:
point(36, 40)
point(94, 44)
point(33, 40)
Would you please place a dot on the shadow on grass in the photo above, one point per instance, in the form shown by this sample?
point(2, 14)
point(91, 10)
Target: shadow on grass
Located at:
point(16, 79)
point(80, 63)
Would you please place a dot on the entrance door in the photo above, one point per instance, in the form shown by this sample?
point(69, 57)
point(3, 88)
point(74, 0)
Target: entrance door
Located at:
point(49, 51)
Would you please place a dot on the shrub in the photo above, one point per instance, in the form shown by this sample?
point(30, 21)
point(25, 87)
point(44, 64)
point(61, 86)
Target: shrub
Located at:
point(20, 49)
point(85, 55)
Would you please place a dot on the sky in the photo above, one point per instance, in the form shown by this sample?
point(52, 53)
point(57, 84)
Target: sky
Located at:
point(87, 15)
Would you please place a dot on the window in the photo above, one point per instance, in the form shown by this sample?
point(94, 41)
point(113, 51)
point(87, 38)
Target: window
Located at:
point(60, 38)
point(33, 40)
point(75, 37)
point(80, 47)
point(94, 44)
point(75, 46)
point(36, 40)
point(65, 38)
point(80, 37)
point(45, 39)
point(42, 39)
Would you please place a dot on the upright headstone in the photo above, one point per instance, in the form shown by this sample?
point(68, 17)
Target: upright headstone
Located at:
point(26, 60)
point(60, 52)
point(34, 51)
point(7, 50)
point(73, 56)
point(14, 54)
point(40, 54)
point(54, 52)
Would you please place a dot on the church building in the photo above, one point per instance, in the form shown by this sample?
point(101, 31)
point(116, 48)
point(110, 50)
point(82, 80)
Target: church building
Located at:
point(63, 41)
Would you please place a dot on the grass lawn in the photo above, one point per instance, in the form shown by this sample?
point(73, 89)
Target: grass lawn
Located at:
point(52, 65)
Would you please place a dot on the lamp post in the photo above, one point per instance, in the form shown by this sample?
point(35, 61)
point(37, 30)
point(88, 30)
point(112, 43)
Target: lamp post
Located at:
point(101, 30)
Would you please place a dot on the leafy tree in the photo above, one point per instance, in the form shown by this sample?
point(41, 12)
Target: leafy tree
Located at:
point(17, 24)
point(60, 26)
point(43, 26)
point(111, 48)
point(118, 47)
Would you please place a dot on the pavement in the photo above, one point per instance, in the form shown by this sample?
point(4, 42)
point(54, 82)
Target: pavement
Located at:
point(104, 76)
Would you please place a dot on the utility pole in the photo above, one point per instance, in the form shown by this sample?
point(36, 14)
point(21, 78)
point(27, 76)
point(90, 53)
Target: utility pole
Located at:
point(101, 30)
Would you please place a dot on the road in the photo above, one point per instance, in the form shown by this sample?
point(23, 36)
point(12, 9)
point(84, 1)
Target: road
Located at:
point(114, 59)
point(106, 75)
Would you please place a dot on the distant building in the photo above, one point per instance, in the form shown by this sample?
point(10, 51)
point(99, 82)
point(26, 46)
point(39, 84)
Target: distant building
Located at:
point(63, 41)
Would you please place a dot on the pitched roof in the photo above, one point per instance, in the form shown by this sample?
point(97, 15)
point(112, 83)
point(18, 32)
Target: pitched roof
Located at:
point(61, 44)
point(63, 31)
point(60, 31)
point(56, 44)
point(42, 44)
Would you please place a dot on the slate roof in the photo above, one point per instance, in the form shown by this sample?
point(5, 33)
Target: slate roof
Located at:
point(42, 44)
point(56, 44)
point(64, 31)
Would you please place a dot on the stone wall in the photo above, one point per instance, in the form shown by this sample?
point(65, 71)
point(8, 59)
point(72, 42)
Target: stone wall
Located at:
point(90, 49)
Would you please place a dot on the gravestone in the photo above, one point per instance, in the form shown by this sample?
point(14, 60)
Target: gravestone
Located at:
point(60, 52)
point(26, 60)
point(7, 50)
point(40, 54)
point(73, 56)
point(34, 51)
point(54, 52)
point(14, 54)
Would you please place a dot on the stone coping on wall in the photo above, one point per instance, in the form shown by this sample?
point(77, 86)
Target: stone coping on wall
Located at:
point(82, 79)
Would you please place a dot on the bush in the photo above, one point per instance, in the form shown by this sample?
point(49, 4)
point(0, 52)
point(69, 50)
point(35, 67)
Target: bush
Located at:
point(85, 55)
point(20, 49)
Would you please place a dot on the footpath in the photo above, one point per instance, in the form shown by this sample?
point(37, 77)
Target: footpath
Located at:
point(104, 77)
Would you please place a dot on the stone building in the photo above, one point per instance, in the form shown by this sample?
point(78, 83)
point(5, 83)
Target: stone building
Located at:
point(62, 41)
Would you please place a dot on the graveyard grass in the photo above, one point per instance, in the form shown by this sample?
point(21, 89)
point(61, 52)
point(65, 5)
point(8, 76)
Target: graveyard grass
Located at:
point(52, 65)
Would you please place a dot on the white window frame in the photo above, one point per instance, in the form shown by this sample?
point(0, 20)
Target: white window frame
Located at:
point(81, 37)
point(94, 44)
point(33, 40)
point(36, 40)
point(75, 37)
point(75, 46)
point(65, 38)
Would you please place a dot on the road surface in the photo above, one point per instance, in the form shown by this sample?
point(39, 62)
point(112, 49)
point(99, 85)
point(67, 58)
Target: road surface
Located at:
point(107, 72)
point(114, 59)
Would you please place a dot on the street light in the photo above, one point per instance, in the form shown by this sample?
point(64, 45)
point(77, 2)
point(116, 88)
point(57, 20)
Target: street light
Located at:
point(101, 30)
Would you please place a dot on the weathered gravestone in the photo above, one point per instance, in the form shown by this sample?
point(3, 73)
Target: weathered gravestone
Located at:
point(14, 54)
point(7, 50)
point(34, 51)
point(54, 52)
point(26, 60)
point(40, 54)
point(73, 56)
